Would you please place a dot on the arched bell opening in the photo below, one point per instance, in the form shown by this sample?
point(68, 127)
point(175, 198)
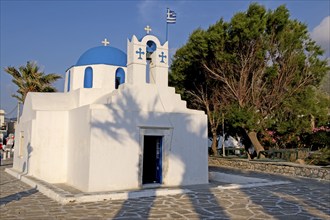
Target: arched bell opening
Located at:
point(150, 48)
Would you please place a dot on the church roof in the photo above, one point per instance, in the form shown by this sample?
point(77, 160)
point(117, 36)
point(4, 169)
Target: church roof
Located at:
point(103, 55)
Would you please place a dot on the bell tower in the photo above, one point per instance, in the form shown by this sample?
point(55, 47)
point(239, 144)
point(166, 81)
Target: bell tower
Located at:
point(139, 53)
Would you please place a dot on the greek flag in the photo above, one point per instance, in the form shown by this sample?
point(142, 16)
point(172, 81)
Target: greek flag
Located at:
point(171, 17)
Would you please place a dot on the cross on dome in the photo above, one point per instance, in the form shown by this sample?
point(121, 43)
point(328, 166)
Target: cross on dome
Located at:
point(105, 42)
point(147, 29)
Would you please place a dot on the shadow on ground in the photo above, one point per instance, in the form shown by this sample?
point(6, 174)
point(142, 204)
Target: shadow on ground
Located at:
point(17, 196)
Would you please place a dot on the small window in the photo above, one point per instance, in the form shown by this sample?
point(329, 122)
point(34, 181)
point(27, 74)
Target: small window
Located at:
point(69, 79)
point(120, 77)
point(88, 78)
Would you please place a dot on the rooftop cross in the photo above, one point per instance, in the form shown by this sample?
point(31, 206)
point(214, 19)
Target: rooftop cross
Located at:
point(147, 29)
point(105, 42)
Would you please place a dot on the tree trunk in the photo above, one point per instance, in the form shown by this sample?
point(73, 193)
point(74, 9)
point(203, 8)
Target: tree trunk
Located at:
point(214, 143)
point(312, 122)
point(257, 146)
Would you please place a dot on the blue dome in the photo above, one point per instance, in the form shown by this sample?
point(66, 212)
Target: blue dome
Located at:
point(103, 55)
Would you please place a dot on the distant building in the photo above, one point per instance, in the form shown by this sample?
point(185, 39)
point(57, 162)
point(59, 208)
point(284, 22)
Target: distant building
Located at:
point(3, 127)
point(2, 120)
point(116, 126)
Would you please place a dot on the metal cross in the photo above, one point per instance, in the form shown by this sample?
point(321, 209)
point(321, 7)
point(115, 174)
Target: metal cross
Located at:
point(140, 52)
point(105, 42)
point(147, 29)
point(162, 56)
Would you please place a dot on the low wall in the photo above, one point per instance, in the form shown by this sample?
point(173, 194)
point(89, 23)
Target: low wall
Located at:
point(284, 168)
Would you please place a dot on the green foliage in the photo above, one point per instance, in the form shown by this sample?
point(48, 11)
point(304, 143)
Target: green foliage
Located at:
point(317, 140)
point(320, 157)
point(297, 111)
point(242, 117)
point(325, 84)
point(298, 117)
point(186, 71)
point(29, 78)
point(261, 66)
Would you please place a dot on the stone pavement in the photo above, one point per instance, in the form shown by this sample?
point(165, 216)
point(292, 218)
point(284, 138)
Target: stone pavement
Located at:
point(301, 199)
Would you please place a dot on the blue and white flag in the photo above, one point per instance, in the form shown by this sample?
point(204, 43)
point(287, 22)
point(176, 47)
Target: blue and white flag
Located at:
point(171, 17)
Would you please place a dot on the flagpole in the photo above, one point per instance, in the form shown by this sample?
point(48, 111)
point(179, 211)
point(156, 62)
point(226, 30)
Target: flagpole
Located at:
point(166, 25)
point(170, 19)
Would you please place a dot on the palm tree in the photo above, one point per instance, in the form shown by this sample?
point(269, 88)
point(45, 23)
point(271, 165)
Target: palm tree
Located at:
point(29, 78)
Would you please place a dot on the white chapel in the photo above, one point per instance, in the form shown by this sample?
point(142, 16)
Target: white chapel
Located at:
point(117, 125)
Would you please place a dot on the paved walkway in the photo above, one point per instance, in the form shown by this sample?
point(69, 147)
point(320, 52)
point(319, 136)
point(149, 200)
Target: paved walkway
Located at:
point(301, 199)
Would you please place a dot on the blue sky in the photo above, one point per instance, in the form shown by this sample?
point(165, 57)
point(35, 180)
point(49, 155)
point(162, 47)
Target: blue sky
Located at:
point(56, 33)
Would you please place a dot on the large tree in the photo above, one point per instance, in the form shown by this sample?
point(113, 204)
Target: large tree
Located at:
point(257, 61)
point(30, 78)
point(192, 82)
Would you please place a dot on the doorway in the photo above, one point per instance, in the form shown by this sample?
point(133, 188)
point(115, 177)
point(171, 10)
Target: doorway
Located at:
point(152, 159)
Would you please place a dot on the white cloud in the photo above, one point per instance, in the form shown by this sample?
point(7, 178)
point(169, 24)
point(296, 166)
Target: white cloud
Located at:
point(321, 34)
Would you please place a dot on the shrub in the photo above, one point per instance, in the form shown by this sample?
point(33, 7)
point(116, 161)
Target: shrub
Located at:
point(320, 157)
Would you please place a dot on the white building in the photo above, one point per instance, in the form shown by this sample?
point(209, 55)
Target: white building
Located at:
point(111, 129)
point(2, 125)
point(2, 117)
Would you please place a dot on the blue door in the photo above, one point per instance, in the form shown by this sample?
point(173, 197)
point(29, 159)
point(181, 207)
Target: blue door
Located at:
point(152, 159)
point(159, 159)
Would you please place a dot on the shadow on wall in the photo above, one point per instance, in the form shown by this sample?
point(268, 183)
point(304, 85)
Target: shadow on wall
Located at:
point(25, 168)
point(113, 129)
point(112, 126)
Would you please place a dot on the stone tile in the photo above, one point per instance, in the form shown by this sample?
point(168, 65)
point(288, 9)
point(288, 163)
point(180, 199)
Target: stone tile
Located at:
point(303, 199)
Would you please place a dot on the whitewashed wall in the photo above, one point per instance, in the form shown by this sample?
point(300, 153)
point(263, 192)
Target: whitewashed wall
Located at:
point(103, 76)
point(116, 152)
point(50, 146)
point(23, 142)
point(188, 161)
point(79, 148)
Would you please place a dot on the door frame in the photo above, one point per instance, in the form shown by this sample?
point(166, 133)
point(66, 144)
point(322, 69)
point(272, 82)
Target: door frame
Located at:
point(166, 134)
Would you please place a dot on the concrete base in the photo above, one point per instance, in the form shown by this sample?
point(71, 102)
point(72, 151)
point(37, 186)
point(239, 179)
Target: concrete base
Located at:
point(239, 182)
point(65, 196)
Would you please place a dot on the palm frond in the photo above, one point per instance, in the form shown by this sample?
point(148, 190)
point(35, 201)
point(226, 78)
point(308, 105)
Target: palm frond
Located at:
point(29, 78)
point(13, 72)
